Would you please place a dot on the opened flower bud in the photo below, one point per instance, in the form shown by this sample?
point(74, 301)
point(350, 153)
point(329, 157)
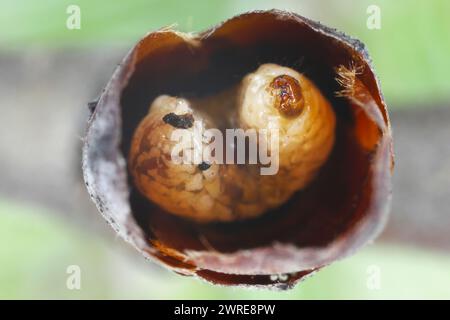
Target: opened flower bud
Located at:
point(221, 156)
point(273, 97)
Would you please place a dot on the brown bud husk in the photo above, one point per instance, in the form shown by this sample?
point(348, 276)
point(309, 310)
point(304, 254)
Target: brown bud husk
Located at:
point(346, 205)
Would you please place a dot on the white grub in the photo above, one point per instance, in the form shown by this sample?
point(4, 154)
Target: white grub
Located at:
point(225, 192)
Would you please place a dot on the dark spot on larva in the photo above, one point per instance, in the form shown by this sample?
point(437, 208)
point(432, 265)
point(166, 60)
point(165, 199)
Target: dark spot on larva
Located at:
point(183, 121)
point(204, 166)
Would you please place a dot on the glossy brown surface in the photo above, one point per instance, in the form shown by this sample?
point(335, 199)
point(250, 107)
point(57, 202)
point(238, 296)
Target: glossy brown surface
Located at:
point(288, 95)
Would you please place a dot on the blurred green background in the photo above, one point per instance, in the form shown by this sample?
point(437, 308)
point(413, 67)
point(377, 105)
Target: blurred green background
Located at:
point(410, 51)
point(40, 236)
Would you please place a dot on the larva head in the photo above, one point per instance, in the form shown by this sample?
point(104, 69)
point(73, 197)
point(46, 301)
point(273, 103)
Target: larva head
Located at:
point(288, 95)
point(278, 97)
point(277, 94)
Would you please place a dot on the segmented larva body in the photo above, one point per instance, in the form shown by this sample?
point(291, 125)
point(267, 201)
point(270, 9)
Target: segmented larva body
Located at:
point(272, 98)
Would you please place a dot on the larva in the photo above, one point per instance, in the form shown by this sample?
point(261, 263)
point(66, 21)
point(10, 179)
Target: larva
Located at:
point(271, 99)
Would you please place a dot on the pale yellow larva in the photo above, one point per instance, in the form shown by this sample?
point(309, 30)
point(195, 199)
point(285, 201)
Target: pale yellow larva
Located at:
point(273, 97)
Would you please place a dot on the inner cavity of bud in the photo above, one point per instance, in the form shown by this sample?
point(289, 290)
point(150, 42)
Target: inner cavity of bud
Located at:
point(288, 95)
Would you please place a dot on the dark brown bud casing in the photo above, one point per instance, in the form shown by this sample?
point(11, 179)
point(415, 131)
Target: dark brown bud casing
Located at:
point(343, 208)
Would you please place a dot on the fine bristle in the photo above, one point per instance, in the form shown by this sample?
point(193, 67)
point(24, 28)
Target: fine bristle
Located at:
point(346, 77)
